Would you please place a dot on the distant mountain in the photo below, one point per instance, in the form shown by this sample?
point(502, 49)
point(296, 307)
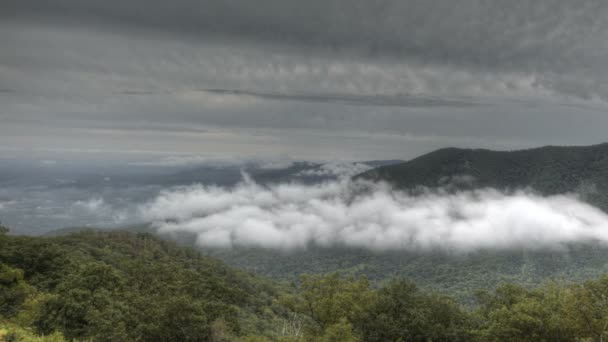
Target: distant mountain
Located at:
point(300, 171)
point(37, 197)
point(548, 170)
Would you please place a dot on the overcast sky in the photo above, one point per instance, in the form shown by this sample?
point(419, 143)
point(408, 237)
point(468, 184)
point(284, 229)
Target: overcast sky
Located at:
point(314, 79)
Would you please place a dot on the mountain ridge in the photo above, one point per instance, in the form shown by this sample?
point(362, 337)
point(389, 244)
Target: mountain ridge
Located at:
point(549, 170)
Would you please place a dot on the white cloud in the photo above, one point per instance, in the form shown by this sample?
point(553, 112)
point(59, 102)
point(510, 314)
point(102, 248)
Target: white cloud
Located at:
point(337, 213)
point(340, 170)
point(274, 164)
point(99, 212)
point(93, 204)
point(6, 204)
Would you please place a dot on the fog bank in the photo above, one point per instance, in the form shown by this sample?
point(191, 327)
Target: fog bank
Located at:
point(339, 213)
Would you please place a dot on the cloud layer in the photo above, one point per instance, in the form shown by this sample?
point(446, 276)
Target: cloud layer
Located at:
point(289, 216)
point(318, 78)
point(539, 34)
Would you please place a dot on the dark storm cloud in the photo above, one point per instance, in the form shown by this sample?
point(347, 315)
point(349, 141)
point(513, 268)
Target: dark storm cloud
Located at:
point(561, 41)
point(545, 34)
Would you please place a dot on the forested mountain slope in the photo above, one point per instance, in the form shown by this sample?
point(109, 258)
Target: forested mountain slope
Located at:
point(459, 275)
point(120, 286)
point(548, 170)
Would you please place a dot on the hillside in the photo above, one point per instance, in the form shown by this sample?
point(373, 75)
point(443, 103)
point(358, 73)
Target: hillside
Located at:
point(121, 286)
point(459, 275)
point(548, 170)
point(456, 275)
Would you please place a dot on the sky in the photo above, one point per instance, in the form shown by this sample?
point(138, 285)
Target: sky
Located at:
point(315, 79)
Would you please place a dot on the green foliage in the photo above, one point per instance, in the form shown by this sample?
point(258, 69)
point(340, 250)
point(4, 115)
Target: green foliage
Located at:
point(328, 300)
point(124, 287)
point(13, 290)
point(404, 313)
point(589, 308)
point(341, 331)
point(15, 333)
point(347, 309)
point(548, 170)
point(514, 313)
point(453, 274)
point(134, 287)
point(83, 303)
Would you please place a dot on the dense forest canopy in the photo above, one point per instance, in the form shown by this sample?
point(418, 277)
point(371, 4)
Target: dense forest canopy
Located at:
point(122, 286)
point(548, 170)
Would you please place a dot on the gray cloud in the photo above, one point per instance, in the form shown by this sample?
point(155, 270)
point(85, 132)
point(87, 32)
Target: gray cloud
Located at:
point(474, 32)
point(340, 170)
point(281, 77)
point(375, 100)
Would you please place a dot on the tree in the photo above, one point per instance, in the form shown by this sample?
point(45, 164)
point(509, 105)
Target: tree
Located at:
point(330, 301)
point(3, 229)
point(13, 290)
point(403, 313)
point(514, 313)
point(339, 332)
point(87, 304)
point(590, 308)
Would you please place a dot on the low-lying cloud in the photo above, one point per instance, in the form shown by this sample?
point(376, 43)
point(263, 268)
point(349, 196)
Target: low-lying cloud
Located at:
point(340, 170)
point(373, 216)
